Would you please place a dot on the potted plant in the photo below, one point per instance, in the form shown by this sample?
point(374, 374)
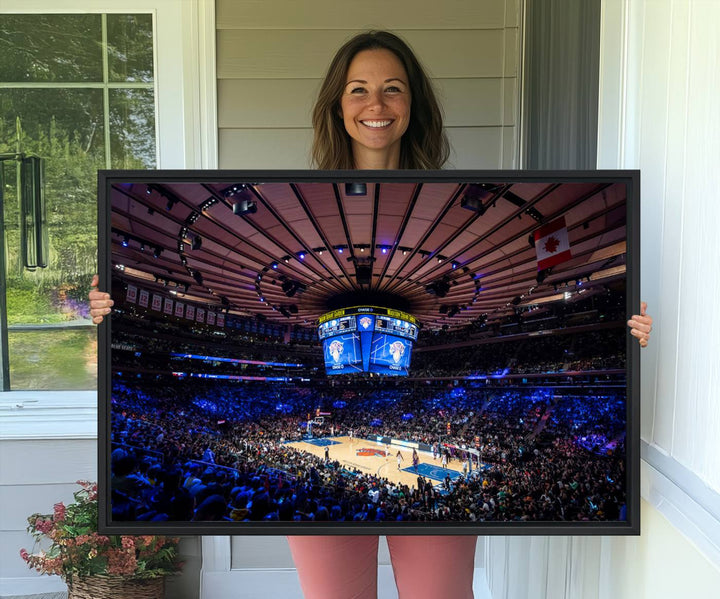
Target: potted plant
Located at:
point(95, 565)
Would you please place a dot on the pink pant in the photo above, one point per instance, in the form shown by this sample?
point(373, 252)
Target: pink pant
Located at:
point(432, 567)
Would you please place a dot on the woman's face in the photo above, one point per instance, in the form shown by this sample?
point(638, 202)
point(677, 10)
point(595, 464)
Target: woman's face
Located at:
point(375, 107)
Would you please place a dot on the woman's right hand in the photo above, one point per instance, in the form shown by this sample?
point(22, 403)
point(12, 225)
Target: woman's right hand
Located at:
point(100, 302)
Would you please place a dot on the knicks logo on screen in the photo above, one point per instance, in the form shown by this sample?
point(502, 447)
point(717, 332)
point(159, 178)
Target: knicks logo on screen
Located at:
point(397, 350)
point(365, 322)
point(336, 350)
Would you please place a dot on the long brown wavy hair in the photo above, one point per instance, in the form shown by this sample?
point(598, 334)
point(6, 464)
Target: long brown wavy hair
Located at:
point(424, 145)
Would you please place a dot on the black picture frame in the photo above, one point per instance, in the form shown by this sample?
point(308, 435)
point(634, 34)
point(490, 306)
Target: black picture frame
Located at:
point(153, 182)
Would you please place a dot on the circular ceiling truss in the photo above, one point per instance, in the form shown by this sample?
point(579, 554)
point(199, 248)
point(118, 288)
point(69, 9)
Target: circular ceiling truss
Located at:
point(450, 253)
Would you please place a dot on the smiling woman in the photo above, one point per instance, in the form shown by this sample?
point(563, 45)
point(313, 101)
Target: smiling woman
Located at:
point(364, 106)
point(375, 108)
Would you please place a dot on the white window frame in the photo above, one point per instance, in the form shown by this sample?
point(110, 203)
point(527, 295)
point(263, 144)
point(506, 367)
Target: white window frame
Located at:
point(186, 135)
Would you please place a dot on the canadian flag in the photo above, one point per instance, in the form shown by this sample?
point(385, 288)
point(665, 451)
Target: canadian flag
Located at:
point(551, 244)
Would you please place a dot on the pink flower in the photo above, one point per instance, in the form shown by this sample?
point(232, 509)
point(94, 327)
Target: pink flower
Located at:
point(121, 562)
point(43, 526)
point(24, 555)
point(128, 542)
point(59, 512)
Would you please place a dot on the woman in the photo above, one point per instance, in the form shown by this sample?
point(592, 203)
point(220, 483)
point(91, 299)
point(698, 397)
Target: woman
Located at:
point(377, 110)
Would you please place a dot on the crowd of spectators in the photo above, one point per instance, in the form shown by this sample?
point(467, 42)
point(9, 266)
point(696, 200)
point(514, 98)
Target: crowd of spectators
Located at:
point(540, 417)
point(195, 451)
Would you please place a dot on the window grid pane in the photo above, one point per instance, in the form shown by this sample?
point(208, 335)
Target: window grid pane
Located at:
point(83, 104)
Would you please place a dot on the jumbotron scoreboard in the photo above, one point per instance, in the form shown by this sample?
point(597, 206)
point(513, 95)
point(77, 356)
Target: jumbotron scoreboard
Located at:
point(367, 339)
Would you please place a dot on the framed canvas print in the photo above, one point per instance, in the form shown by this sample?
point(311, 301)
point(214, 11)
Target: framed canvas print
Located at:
point(380, 352)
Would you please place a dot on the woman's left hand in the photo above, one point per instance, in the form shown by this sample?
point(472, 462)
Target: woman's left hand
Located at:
point(641, 325)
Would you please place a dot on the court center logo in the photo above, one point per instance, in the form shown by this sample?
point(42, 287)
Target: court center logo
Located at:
point(370, 452)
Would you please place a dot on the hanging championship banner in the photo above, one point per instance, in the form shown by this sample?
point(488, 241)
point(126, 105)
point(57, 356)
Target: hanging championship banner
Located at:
point(144, 298)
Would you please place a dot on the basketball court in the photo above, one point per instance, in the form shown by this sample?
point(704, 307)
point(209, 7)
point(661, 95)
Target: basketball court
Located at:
point(375, 458)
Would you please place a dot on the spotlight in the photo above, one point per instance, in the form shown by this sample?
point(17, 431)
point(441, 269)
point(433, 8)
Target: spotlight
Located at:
point(125, 241)
point(157, 251)
point(244, 206)
point(289, 288)
point(454, 265)
point(363, 274)
point(301, 255)
point(438, 288)
point(384, 250)
point(340, 250)
point(274, 265)
point(473, 198)
point(355, 189)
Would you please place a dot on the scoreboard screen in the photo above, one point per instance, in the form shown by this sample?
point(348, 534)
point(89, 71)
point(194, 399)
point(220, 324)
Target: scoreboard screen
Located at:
point(343, 354)
point(396, 326)
point(367, 339)
point(390, 355)
point(337, 326)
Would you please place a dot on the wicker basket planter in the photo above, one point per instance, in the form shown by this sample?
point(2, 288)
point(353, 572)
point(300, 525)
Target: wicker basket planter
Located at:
point(116, 587)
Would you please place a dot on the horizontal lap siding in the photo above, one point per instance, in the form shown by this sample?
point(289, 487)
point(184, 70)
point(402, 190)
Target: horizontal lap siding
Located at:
point(271, 59)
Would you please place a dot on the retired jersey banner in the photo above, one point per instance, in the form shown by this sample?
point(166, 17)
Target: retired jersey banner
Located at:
point(144, 298)
point(179, 309)
point(131, 294)
point(221, 320)
point(190, 312)
point(200, 315)
point(168, 306)
point(211, 318)
point(157, 302)
point(551, 244)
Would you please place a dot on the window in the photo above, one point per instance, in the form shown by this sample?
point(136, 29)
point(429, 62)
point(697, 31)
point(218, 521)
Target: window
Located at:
point(77, 90)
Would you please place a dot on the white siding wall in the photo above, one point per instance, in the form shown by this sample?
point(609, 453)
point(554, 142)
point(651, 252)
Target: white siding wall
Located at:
point(659, 88)
point(271, 57)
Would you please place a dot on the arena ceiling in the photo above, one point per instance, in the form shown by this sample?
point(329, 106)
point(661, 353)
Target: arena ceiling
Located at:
point(291, 251)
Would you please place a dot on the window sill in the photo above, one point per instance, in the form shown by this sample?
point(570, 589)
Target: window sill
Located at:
point(48, 415)
point(691, 506)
